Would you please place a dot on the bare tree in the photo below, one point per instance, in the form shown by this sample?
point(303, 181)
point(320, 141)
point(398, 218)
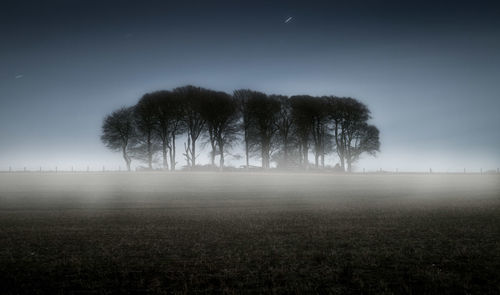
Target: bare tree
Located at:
point(118, 132)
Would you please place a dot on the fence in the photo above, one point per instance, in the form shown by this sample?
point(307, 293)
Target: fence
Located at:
point(114, 169)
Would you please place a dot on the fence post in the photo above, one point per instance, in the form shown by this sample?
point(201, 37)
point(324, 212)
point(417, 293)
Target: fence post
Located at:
point(40, 169)
point(481, 171)
point(464, 170)
point(103, 169)
point(56, 169)
point(24, 169)
point(10, 169)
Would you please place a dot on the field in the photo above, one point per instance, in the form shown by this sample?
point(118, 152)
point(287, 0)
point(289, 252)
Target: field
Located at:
point(249, 233)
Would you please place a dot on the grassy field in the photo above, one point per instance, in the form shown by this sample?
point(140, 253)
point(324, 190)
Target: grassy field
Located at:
point(249, 233)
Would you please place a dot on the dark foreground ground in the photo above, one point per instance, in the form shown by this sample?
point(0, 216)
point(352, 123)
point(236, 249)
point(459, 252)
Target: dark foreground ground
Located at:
point(249, 233)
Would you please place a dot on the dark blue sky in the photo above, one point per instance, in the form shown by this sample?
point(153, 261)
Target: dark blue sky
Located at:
point(428, 70)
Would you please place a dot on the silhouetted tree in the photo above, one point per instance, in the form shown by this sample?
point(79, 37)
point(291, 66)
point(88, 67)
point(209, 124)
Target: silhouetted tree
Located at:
point(118, 132)
point(168, 116)
point(145, 113)
point(177, 126)
point(335, 113)
point(209, 113)
point(264, 114)
point(192, 101)
point(361, 138)
point(220, 113)
point(284, 125)
point(319, 116)
point(163, 113)
point(303, 119)
point(242, 96)
point(275, 126)
point(350, 118)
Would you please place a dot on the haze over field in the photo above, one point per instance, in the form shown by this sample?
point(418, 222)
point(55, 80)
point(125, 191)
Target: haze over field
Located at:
point(429, 71)
point(186, 232)
point(214, 189)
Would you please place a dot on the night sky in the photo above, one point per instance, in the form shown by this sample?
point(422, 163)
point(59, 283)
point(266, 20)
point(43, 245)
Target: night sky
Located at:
point(428, 70)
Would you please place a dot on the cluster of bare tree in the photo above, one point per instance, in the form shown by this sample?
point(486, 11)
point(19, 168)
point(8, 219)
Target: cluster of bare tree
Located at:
point(276, 128)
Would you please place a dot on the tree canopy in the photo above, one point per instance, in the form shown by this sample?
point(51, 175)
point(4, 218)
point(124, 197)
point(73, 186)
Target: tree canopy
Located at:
point(273, 128)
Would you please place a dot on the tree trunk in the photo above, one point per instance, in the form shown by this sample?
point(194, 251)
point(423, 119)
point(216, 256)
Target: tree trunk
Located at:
point(221, 151)
point(305, 155)
point(343, 150)
point(172, 153)
point(265, 154)
point(126, 157)
point(212, 154)
point(263, 158)
point(193, 152)
point(317, 142)
point(165, 155)
point(212, 138)
point(285, 152)
point(301, 162)
point(349, 157)
point(150, 153)
point(338, 144)
point(187, 153)
point(246, 149)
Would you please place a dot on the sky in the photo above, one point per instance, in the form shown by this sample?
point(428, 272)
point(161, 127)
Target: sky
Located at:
point(428, 70)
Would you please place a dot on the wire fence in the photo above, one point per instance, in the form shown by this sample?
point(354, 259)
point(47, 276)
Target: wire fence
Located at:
point(116, 169)
point(59, 169)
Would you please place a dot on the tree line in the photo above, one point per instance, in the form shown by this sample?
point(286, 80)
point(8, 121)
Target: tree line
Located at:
point(275, 128)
